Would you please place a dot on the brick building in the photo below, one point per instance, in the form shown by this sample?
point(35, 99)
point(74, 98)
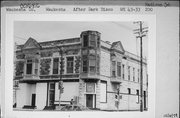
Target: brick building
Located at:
point(92, 73)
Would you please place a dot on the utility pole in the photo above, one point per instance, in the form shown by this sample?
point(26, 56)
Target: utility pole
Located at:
point(60, 78)
point(141, 33)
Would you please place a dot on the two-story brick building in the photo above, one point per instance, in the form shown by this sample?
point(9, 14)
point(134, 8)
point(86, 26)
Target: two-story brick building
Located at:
point(92, 72)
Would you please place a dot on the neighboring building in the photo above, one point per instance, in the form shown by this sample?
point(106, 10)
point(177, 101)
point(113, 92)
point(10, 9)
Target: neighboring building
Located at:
point(93, 70)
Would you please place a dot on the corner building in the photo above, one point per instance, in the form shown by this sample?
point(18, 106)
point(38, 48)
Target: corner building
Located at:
point(92, 73)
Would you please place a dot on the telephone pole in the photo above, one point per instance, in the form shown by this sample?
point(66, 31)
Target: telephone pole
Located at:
point(141, 33)
point(61, 72)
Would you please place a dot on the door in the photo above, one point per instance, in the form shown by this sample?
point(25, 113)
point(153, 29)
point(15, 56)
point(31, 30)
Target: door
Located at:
point(33, 100)
point(51, 94)
point(51, 98)
point(89, 100)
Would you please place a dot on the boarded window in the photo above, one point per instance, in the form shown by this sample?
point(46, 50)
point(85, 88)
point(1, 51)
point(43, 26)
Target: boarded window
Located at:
point(103, 92)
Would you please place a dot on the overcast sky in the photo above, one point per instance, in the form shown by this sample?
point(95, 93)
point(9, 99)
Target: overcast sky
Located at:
point(54, 30)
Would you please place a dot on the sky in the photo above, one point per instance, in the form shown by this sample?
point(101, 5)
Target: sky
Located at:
point(57, 30)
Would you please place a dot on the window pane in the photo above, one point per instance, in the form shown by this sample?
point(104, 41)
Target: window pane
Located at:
point(92, 65)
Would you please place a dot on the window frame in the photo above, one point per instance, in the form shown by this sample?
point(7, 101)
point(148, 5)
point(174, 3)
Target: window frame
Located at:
point(58, 64)
point(113, 68)
point(119, 69)
point(85, 43)
point(133, 74)
point(129, 73)
point(72, 63)
point(27, 63)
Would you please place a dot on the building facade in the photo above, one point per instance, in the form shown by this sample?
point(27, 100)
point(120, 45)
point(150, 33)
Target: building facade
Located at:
point(94, 73)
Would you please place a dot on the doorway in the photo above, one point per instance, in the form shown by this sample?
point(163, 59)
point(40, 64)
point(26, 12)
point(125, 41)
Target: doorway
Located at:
point(89, 100)
point(33, 100)
point(51, 94)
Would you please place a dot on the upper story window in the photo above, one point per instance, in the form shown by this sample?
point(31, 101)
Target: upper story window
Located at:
point(19, 68)
point(36, 67)
point(138, 74)
point(85, 64)
point(113, 68)
point(92, 63)
point(92, 40)
point(85, 41)
point(123, 71)
point(70, 64)
point(29, 67)
point(55, 65)
point(119, 69)
point(129, 91)
point(129, 73)
point(133, 74)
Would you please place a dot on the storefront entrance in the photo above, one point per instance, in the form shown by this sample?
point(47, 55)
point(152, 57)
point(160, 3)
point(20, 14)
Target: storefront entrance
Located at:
point(51, 94)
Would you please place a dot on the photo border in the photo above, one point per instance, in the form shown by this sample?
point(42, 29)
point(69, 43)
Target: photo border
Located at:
point(8, 62)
